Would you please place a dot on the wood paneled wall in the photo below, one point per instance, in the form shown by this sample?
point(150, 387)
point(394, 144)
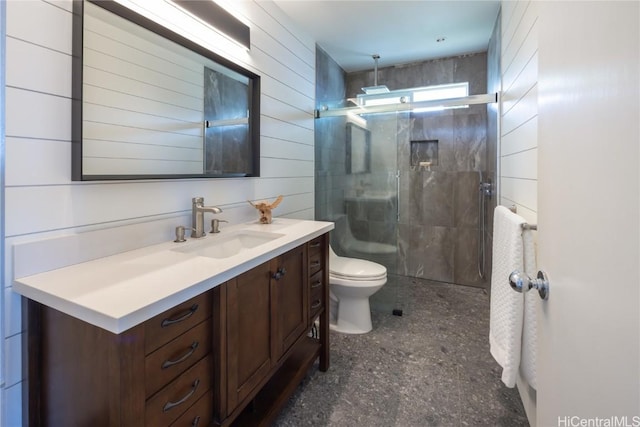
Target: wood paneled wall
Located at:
point(519, 124)
point(518, 156)
point(43, 203)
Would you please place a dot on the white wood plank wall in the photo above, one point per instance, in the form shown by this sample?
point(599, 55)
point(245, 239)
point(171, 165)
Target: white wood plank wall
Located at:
point(519, 127)
point(41, 201)
point(2, 166)
point(519, 120)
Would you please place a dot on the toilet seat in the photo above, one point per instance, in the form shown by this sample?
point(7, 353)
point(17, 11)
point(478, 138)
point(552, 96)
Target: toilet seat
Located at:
point(357, 283)
point(356, 269)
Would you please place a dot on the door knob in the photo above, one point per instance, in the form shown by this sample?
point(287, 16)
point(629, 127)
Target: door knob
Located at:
point(521, 282)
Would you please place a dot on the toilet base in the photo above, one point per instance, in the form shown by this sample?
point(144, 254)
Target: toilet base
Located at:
point(354, 316)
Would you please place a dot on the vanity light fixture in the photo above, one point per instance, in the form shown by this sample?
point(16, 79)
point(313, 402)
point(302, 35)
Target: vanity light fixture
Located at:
point(217, 17)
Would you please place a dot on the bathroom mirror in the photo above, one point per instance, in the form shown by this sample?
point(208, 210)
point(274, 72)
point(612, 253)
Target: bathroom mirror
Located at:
point(358, 143)
point(149, 103)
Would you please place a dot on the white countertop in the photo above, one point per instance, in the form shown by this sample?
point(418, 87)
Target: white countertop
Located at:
point(124, 290)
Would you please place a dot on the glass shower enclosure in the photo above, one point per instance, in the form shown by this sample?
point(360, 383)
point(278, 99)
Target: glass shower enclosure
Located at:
point(401, 180)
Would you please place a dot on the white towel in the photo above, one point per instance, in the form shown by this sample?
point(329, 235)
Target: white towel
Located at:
point(529, 329)
point(507, 306)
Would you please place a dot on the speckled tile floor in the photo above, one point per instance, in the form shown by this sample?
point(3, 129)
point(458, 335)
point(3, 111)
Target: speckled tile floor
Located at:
point(429, 367)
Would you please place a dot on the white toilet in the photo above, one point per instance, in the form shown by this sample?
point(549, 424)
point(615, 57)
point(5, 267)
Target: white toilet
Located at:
point(351, 282)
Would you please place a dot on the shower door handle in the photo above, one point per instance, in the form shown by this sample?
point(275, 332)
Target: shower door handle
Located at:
point(398, 195)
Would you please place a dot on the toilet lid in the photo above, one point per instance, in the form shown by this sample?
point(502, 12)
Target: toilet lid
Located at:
point(356, 269)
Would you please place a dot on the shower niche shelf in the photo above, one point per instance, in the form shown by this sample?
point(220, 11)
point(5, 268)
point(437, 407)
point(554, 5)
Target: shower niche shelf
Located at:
point(424, 152)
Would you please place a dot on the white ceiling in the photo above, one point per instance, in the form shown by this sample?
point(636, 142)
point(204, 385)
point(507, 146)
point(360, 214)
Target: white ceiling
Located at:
point(400, 31)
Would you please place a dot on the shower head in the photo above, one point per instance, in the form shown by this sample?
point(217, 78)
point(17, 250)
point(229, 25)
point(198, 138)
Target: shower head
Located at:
point(375, 89)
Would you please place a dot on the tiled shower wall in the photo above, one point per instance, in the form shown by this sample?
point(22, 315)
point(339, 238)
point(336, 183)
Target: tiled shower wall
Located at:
point(330, 175)
point(438, 229)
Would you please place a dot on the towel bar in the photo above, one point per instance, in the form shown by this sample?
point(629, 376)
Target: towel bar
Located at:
point(525, 226)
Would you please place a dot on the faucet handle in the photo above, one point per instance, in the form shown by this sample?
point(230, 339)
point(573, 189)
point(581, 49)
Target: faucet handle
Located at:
point(180, 234)
point(215, 224)
point(197, 200)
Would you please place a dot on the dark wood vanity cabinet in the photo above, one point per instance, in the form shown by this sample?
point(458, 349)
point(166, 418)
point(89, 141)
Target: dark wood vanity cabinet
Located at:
point(230, 356)
point(290, 294)
point(266, 314)
point(82, 375)
point(318, 276)
point(249, 352)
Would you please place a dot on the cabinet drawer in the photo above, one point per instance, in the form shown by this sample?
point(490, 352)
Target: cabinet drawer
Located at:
point(316, 245)
point(315, 304)
point(316, 282)
point(315, 262)
point(172, 401)
point(199, 415)
point(168, 325)
point(316, 294)
point(175, 357)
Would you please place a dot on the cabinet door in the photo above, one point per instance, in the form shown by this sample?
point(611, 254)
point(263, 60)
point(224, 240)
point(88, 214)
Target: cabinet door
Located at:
point(249, 351)
point(290, 295)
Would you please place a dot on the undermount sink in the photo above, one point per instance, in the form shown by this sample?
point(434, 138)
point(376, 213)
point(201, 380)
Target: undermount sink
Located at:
point(227, 245)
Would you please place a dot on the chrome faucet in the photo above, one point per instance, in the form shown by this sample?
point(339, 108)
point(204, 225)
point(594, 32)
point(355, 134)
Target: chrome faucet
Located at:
point(197, 216)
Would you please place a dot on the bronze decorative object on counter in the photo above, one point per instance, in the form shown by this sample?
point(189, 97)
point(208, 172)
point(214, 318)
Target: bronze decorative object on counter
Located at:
point(265, 209)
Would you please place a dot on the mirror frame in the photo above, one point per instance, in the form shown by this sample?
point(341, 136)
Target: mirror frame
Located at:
point(77, 82)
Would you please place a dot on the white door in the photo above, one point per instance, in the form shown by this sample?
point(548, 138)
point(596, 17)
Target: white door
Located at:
point(588, 195)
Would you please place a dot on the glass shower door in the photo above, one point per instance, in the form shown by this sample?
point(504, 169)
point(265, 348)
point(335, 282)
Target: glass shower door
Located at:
point(369, 226)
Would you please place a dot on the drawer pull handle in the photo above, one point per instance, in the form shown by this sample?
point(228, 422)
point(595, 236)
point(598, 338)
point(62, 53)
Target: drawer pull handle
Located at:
point(316, 304)
point(280, 273)
point(169, 363)
point(196, 421)
point(315, 245)
point(316, 284)
point(185, 316)
point(315, 264)
point(169, 405)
